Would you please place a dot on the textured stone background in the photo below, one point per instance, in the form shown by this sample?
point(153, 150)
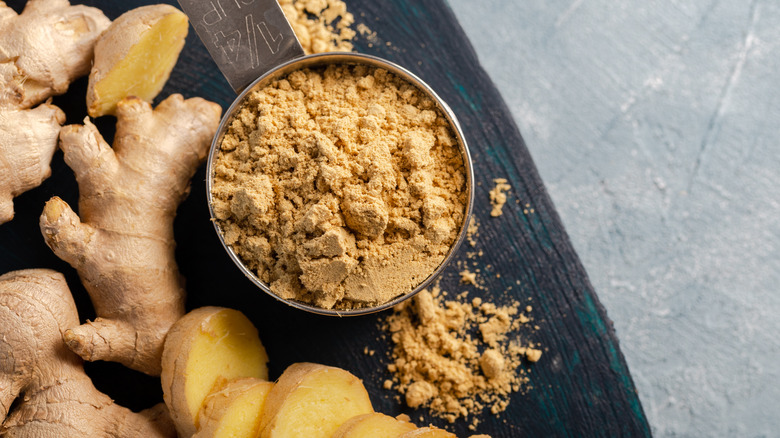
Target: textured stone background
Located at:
point(656, 128)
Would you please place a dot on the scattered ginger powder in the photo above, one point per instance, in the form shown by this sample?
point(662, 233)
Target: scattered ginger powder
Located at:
point(457, 358)
point(320, 25)
point(498, 196)
point(343, 187)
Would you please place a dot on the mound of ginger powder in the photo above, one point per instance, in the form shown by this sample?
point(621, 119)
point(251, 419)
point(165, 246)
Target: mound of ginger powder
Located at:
point(340, 186)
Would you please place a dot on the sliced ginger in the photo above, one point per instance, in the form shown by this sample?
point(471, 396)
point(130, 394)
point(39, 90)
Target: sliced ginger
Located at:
point(205, 348)
point(234, 410)
point(374, 425)
point(313, 401)
point(428, 432)
point(135, 56)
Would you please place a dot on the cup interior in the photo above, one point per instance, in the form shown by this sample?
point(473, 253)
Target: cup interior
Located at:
point(319, 60)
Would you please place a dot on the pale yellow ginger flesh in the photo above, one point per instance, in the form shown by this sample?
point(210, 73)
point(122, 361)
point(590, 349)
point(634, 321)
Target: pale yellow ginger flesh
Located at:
point(42, 50)
point(121, 243)
point(374, 425)
point(234, 410)
point(205, 348)
point(43, 383)
point(428, 432)
point(313, 401)
point(135, 56)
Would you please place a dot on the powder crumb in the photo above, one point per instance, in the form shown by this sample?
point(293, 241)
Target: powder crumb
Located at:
point(418, 393)
point(456, 357)
point(533, 355)
point(498, 196)
point(468, 277)
point(388, 384)
point(472, 231)
point(362, 186)
point(492, 363)
point(495, 328)
point(403, 417)
point(365, 30)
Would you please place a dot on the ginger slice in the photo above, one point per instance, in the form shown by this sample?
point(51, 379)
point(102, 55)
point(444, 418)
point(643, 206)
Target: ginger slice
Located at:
point(44, 391)
point(135, 56)
point(428, 432)
point(313, 401)
point(203, 349)
point(234, 410)
point(374, 425)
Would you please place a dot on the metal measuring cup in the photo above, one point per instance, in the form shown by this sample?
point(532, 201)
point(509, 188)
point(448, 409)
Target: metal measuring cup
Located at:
point(253, 44)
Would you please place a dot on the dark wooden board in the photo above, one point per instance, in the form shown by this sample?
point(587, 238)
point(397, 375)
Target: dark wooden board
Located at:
point(581, 387)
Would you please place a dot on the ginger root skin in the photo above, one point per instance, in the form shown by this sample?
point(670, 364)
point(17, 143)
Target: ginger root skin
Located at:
point(42, 382)
point(28, 139)
point(122, 244)
point(42, 50)
point(135, 56)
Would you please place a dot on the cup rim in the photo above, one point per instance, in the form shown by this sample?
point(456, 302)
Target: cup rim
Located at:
point(342, 58)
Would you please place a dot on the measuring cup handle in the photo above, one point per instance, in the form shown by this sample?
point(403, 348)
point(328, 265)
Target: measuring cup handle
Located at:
point(246, 38)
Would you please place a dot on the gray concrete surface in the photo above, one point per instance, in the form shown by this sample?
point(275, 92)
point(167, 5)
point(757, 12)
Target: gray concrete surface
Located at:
point(656, 128)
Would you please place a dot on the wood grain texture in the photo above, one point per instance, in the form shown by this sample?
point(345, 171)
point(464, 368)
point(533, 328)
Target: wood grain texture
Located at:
point(581, 387)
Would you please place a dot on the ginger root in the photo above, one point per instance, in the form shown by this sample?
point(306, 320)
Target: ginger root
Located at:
point(135, 56)
point(42, 382)
point(122, 245)
point(312, 400)
point(42, 50)
point(28, 139)
point(203, 350)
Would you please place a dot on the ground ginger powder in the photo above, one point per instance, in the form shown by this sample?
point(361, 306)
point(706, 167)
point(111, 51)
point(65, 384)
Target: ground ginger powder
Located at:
point(456, 358)
point(320, 25)
point(498, 196)
point(340, 186)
